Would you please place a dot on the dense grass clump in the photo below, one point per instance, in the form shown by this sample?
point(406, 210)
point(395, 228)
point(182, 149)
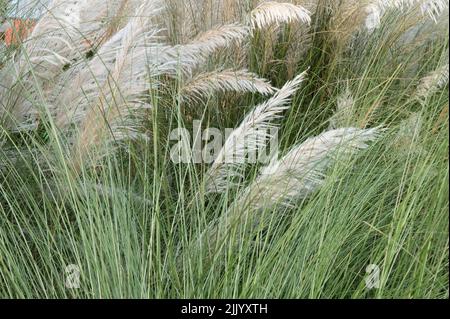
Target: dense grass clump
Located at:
point(354, 94)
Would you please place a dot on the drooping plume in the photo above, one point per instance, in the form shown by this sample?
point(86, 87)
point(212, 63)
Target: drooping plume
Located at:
point(240, 81)
point(303, 169)
point(268, 13)
point(251, 135)
point(186, 57)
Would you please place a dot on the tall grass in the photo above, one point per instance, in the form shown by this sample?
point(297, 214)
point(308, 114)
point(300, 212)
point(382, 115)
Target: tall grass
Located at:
point(86, 176)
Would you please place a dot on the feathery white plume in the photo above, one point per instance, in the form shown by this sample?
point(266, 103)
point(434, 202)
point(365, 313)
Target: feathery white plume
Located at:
point(268, 13)
point(431, 83)
point(221, 36)
point(99, 16)
point(188, 56)
point(374, 14)
point(227, 80)
point(302, 171)
point(53, 40)
point(251, 135)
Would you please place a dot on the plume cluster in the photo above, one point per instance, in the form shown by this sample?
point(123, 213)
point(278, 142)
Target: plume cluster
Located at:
point(291, 178)
point(114, 83)
point(90, 100)
point(66, 31)
point(71, 29)
point(99, 99)
point(93, 66)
